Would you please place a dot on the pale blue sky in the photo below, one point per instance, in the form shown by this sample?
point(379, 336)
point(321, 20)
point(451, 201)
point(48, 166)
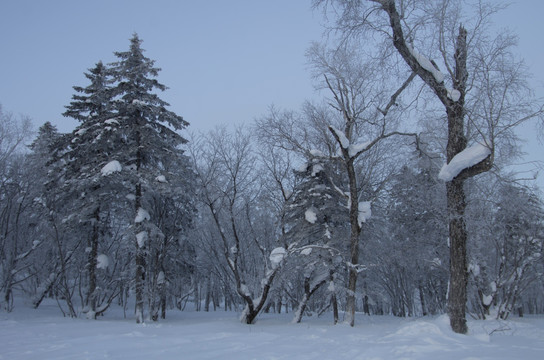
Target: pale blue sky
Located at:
point(224, 61)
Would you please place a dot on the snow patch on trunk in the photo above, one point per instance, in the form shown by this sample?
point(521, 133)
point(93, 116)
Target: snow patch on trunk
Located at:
point(141, 238)
point(365, 212)
point(102, 261)
point(453, 94)
point(142, 215)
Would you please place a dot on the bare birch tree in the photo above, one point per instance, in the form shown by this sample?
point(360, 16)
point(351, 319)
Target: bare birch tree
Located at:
point(479, 83)
point(358, 114)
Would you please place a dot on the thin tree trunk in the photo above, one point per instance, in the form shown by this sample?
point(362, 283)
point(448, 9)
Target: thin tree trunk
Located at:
point(422, 300)
point(334, 301)
point(354, 244)
point(308, 292)
point(90, 301)
point(139, 279)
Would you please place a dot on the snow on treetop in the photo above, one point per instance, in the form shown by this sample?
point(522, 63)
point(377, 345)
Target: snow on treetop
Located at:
point(277, 255)
point(141, 216)
point(111, 167)
point(344, 142)
point(465, 159)
point(427, 64)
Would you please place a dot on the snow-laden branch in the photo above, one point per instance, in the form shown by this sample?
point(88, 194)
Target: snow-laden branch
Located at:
point(465, 159)
point(426, 64)
point(341, 137)
point(111, 167)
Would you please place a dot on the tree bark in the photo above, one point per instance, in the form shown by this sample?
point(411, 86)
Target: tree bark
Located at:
point(308, 292)
point(139, 280)
point(457, 142)
point(457, 295)
point(354, 243)
point(91, 263)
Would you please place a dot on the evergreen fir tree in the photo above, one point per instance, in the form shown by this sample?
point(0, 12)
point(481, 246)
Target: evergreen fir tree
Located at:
point(88, 194)
point(149, 153)
point(313, 222)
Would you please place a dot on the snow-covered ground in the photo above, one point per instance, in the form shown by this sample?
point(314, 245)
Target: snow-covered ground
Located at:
point(44, 334)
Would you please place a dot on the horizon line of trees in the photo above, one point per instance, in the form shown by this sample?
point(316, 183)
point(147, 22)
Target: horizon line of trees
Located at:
point(341, 206)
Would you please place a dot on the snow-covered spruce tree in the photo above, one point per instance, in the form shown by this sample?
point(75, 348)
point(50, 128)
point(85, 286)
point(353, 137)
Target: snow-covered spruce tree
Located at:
point(126, 151)
point(148, 155)
point(412, 258)
point(88, 194)
point(167, 258)
point(506, 256)
point(39, 164)
point(313, 224)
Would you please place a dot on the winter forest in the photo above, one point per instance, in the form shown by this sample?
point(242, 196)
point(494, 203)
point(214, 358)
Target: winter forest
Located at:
point(392, 195)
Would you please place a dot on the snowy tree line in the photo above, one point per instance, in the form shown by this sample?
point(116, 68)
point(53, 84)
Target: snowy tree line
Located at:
point(343, 206)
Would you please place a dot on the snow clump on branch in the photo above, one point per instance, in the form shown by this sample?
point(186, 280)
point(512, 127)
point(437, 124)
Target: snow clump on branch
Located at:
point(463, 160)
point(142, 215)
point(111, 167)
point(427, 64)
point(276, 256)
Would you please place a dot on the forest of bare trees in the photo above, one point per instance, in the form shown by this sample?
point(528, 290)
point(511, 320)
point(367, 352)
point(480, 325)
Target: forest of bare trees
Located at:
point(389, 195)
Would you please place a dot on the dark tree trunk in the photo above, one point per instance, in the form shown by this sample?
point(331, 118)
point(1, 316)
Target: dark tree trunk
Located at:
point(455, 193)
point(354, 243)
point(422, 300)
point(457, 297)
point(334, 302)
point(139, 281)
point(455, 110)
point(91, 263)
